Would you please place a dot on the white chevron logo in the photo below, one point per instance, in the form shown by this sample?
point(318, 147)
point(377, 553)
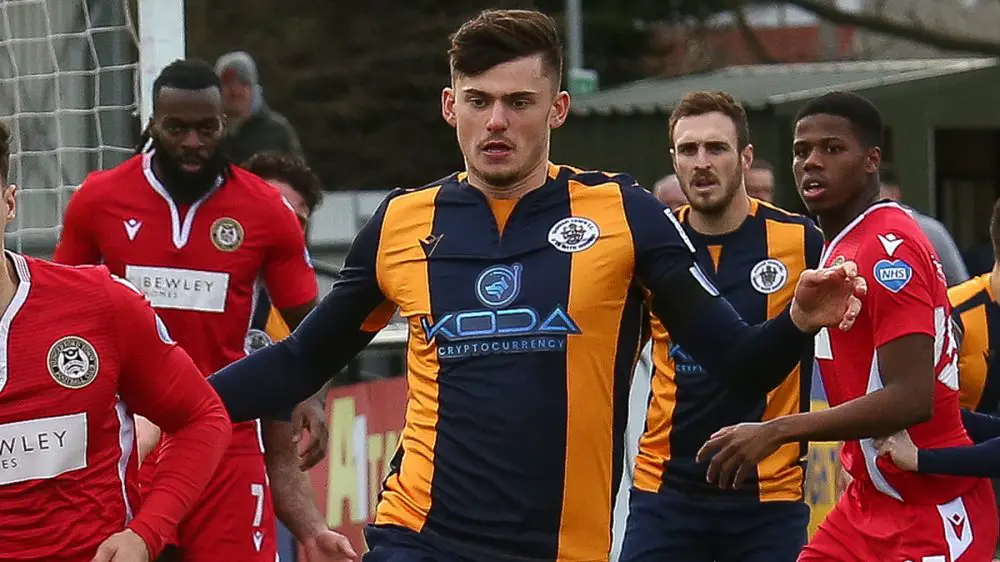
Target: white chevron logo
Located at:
point(132, 227)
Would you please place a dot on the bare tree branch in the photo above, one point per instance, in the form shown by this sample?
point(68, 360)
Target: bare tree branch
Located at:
point(932, 37)
point(751, 38)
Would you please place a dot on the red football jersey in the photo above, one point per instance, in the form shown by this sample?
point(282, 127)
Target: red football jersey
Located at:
point(197, 265)
point(77, 351)
point(906, 295)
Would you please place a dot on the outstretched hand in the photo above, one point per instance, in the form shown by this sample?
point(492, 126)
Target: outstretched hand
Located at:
point(828, 297)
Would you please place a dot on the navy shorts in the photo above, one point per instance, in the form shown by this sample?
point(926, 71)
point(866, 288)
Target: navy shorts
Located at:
point(388, 543)
point(691, 528)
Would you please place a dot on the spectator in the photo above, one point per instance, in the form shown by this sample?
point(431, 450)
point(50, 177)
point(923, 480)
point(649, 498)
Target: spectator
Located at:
point(253, 126)
point(668, 190)
point(954, 268)
point(760, 180)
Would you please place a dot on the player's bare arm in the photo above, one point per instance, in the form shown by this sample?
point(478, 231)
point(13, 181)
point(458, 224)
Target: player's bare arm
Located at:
point(907, 367)
point(308, 430)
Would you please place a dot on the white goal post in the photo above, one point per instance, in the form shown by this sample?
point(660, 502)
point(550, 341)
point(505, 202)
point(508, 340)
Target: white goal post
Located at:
point(75, 79)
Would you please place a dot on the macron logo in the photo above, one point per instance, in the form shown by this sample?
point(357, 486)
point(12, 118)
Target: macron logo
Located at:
point(132, 227)
point(890, 242)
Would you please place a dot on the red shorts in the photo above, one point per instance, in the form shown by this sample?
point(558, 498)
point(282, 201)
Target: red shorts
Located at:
point(867, 525)
point(234, 518)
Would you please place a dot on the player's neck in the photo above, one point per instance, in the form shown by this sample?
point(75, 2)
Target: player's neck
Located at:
point(8, 282)
point(833, 222)
point(725, 221)
point(995, 280)
point(534, 180)
point(182, 195)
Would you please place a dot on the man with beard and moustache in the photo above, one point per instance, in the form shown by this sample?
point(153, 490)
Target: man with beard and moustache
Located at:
point(754, 253)
point(194, 233)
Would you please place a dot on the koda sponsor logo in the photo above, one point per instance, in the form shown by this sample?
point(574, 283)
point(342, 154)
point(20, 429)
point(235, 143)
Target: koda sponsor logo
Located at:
point(683, 362)
point(499, 328)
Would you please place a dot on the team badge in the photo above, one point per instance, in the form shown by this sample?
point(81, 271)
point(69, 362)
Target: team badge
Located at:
point(227, 234)
point(768, 276)
point(893, 275)
point(256, 340)
point(838, 261)
point(574, 234)
point(73, 362)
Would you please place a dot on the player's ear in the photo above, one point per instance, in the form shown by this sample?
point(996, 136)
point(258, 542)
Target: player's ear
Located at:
point(560, 110)
point(873, 160)
point(448, 105)
point(10, 202)
point(746, 157)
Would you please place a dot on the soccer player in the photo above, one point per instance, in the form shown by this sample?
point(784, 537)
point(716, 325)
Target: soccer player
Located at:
point(303, 191)
point(80, 352)
point(521, 282)
point(755, 253)
point(976, 313)
point(195, 233)
point(895, 370)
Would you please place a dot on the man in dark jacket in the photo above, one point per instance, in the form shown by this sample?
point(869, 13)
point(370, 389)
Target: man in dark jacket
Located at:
point(253, 126)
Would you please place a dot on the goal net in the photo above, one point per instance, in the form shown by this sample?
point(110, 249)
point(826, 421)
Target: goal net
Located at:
point(69, 91)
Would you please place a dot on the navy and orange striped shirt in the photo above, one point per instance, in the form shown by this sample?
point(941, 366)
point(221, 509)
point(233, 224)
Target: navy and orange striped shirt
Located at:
point(977, 315)
point(524, 328)
point(756, 267)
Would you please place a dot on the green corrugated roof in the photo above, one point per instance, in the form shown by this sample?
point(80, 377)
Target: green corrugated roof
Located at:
point(759, 86)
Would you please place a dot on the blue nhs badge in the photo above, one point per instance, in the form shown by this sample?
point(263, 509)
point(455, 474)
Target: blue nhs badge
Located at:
point(500, 326)
point(893, 275)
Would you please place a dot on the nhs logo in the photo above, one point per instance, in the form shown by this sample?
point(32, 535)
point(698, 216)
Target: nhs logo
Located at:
point(893, 275)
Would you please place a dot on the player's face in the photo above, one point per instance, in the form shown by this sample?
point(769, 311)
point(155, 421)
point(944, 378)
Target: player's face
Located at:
point(503, 118)
point(187, 128)
point(831, 166)
point(707, 162)
point(294, 199)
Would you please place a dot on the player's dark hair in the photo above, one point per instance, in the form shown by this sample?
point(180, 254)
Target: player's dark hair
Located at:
point(995, 230)
point(863, 115)
point(5, 140)
point(700, 103)
point(293, 170)
point(495, 37)
point(182, 74)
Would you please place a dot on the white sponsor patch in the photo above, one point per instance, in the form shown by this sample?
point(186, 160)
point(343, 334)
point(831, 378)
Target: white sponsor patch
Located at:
point(43, 448)
point(183, 289)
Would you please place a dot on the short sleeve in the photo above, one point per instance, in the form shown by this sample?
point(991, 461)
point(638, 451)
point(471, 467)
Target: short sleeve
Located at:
point(900, 275)
point(287, 268)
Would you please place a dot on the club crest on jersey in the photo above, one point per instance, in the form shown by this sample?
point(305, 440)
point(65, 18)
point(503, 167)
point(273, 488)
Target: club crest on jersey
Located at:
point(73, 362)
point(768, 276)
point(893, 275)
point(574, 234)
point(838, 261)
point(256, 340)
point(227, 234)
